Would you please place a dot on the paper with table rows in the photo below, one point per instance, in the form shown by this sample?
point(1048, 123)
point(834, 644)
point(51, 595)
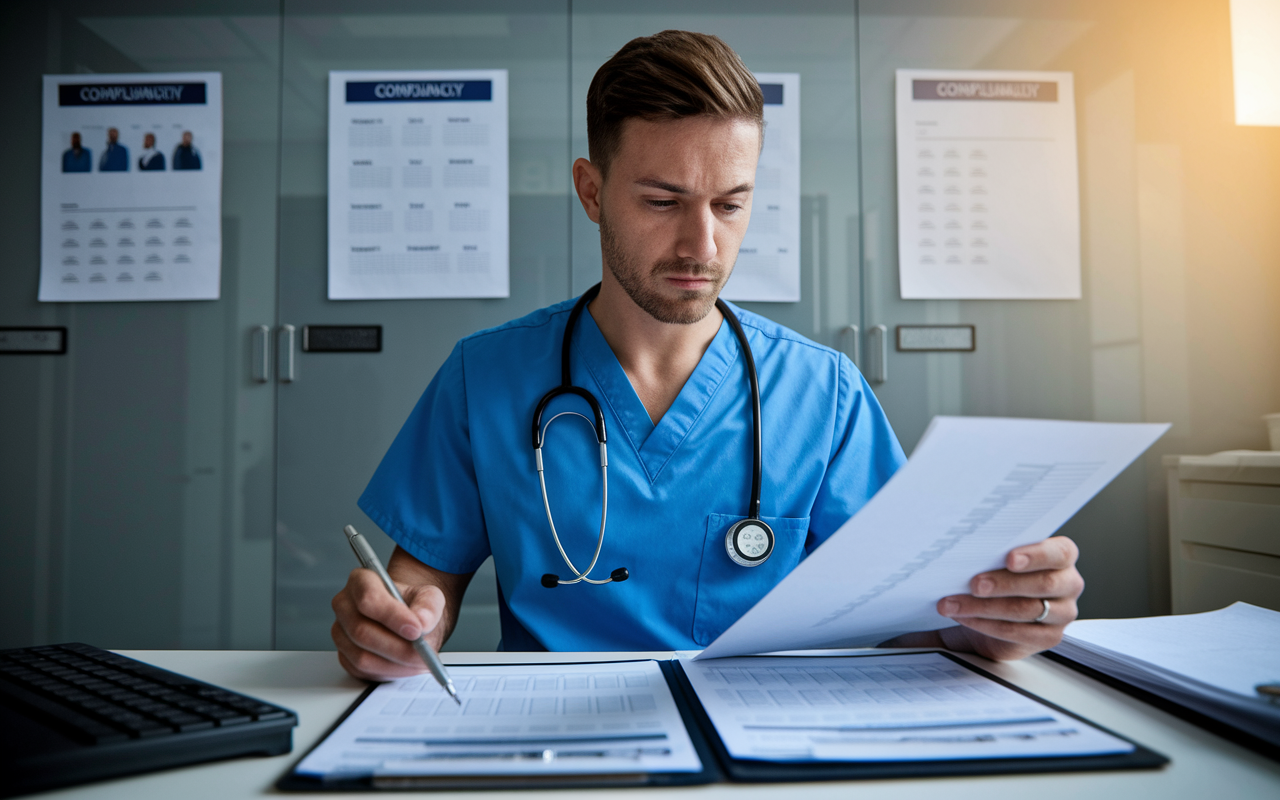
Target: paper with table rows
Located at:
point(914, 707)
point(518, 719)
point(988, 188)
point(418, 177)
point(974, 489)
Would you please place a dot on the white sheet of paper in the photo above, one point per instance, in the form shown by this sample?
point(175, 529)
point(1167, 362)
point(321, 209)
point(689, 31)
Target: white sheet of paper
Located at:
point(988, 188)
point(418, 203)
point(973, 489)
point(121, 220)
point(913, 707)
point(1237, 647)
point(517, 719)
point(768, 266)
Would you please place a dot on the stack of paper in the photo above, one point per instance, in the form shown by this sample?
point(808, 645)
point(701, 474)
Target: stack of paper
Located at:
point(1207, 662)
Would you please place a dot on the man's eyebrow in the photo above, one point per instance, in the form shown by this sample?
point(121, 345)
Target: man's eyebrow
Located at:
point(654, 183)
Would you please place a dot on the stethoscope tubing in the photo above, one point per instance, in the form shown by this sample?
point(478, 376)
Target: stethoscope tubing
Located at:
point(753, 509)
point(566, 387)
point(604, 511)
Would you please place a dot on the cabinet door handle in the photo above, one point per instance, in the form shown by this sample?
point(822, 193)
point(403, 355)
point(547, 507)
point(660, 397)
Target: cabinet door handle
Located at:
point(261, 354)
point(877, 370)
point(849, 343)
point(286, 343)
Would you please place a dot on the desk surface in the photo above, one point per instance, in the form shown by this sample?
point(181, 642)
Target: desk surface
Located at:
point(313, 685)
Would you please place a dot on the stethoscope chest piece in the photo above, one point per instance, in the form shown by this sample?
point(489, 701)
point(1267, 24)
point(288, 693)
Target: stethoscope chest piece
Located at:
point(749, 542)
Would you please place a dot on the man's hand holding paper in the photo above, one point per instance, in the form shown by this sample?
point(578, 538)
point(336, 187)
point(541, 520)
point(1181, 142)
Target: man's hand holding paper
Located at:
point(1001, 618)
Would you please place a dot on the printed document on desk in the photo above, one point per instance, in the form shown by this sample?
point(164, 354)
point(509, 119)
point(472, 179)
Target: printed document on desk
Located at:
point(538, 720)
point(911, 707)
point(973, 489)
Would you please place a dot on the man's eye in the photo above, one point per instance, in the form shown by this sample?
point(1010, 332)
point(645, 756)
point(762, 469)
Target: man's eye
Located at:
point(729, 207)
point(661, 203)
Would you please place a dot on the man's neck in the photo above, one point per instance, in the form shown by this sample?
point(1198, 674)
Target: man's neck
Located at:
point(658, 357)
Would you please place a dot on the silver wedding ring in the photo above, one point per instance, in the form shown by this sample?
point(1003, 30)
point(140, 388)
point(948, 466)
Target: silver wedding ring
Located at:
point(1043, 614)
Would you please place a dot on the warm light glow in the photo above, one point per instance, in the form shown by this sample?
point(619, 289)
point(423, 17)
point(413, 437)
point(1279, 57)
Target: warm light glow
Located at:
point(1255, 56)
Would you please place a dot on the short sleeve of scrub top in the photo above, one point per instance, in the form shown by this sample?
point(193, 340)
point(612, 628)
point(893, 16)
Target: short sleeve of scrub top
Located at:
point(424, 494)
point(459, 483)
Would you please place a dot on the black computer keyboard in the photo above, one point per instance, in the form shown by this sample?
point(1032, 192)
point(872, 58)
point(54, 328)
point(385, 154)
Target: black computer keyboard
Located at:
point(73, 713)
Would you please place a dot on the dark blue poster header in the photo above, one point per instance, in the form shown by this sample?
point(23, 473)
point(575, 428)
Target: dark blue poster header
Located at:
point(131, 94)
point(772, 93)
point(417, 91)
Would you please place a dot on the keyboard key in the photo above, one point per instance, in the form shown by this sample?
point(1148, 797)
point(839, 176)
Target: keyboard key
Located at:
point(183, 721)
point(147, 728)
point(274, 713)
point(226, 716)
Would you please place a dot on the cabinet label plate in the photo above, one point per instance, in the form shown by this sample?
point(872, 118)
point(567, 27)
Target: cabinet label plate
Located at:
point(937, 338)
point(33, 341)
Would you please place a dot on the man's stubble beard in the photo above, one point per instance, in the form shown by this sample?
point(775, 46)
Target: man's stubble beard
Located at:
point(691, 308)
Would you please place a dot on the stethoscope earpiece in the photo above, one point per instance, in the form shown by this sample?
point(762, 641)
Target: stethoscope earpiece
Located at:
point(749, 541)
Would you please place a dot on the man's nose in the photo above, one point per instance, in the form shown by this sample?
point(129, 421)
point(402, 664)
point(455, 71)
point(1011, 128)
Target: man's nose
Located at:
point(698, 236)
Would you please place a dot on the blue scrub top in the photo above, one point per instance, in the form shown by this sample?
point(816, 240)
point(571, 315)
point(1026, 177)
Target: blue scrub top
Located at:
point(459, 482)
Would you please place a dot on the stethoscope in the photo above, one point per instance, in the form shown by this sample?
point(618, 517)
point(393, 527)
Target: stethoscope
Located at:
point(749, 542)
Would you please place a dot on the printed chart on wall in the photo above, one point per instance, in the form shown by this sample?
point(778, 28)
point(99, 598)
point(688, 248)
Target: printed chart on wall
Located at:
point(768, 267)
point(988, 189)
point(131, 187)
point(418, 202)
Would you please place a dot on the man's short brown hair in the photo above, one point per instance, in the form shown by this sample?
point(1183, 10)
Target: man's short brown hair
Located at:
point(668, 76)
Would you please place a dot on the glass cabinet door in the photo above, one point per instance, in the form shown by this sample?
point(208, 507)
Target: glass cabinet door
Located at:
point(147, 456)
point(339, 414)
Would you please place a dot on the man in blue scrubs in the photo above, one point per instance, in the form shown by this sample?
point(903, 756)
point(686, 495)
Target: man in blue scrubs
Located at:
point(674, 128)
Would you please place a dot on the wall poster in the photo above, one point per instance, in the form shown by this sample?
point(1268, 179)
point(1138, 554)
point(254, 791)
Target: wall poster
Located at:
point(418, 178)
point(131, 187)
point(988, 188)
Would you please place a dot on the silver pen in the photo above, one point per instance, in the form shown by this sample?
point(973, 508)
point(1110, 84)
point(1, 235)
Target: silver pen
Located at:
point(369, 560)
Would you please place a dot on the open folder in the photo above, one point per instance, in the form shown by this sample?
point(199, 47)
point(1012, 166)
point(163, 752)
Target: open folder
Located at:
point(771, 718)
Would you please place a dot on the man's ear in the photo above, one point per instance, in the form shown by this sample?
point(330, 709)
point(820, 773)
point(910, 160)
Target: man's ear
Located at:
point(589, 183)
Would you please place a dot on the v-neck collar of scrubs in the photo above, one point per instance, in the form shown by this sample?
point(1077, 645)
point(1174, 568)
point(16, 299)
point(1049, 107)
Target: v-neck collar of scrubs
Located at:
point(654, 444)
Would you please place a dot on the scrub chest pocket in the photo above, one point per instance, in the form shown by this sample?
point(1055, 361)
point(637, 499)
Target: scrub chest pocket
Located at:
point(726, 590)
